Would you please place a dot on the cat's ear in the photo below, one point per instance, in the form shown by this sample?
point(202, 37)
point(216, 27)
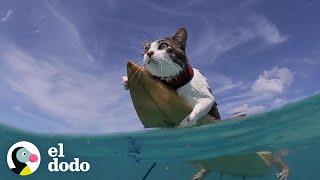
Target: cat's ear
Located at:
point(181, 37)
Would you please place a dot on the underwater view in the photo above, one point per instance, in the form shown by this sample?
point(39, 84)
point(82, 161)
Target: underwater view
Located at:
point(156, 154)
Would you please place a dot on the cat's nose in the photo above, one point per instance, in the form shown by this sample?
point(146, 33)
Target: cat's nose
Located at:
point(150, 53)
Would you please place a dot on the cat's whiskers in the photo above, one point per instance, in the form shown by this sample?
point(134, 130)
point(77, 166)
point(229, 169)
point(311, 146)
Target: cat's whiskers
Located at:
point(137, 74)
point(166, 70)
point(161, 67)
point(139, 63)
point(173, 65)
point(140, 73)
point(166, 75)
point(159, 60)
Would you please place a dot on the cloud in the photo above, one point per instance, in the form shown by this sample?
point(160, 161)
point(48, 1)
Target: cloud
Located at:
point(7, 16)
point(54, 80)
point(84, 100)
point(219, 38)
point(266, 88)
point(267, 30)
point(214, 41)
point(73, 33)
point(227, 87)
point(246, 109)
point(223, 83)
point(242, 96)
point(310, 61)
point(278, 102)
point(273, 81)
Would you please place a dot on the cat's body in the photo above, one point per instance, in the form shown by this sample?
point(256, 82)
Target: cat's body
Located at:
point(166, 60)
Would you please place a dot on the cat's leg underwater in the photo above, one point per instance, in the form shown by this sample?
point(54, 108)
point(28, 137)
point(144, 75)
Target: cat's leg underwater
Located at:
point(278, 163)
point(201, 173)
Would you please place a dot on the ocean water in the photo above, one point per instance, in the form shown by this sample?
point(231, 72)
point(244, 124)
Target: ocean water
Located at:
point(171, 153)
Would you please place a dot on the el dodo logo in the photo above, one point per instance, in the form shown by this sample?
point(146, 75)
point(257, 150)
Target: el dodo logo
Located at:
point(23, 158)
point(56, 165)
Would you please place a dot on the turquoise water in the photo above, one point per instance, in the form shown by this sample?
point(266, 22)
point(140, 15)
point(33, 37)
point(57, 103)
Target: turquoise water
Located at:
point(294, 128)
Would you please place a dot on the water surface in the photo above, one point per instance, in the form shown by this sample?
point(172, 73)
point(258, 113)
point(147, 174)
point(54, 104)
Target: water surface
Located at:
point(293, 128)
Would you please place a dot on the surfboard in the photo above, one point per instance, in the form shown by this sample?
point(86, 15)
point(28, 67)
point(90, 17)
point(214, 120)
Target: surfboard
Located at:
point(250, 165)
point(156, 104)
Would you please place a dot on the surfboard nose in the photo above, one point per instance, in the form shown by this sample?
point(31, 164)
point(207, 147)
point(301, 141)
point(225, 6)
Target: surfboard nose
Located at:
point(133, 68)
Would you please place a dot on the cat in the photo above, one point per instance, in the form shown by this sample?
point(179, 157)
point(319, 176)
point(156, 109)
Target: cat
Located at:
point(166, 59)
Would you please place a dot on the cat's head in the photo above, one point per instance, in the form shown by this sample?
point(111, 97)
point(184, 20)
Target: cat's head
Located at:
point(166, 58)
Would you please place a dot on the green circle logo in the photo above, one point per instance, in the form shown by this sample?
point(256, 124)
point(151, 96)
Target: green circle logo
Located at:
point(23, 158)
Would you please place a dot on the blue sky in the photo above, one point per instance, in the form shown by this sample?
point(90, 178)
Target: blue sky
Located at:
point(61, 62)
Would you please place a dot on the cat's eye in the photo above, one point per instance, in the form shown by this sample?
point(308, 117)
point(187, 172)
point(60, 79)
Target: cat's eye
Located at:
point(163, 46)
point(146, 48)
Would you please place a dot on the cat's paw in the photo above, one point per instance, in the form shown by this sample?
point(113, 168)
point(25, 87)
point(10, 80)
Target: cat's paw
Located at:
point(125, 82)
point(200, 175)
point(283, 175)
point(187, 122)
point(184, 122)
